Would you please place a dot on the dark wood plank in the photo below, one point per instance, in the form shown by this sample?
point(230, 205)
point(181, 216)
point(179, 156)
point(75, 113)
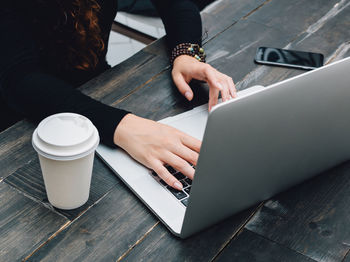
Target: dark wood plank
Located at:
point(312, 218)
point(15, 147)
point(160, 98)
point(334, 44)
point(24, 224)
point(29, 180)
point(105, 232)
point(297, 16)
point(331, 38)
point(122, 79)
point(251, 247)
point(347, 257)
point(221, 14)
point(160, 244)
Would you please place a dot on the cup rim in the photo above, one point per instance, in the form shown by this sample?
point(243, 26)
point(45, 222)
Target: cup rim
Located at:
point(69, 152)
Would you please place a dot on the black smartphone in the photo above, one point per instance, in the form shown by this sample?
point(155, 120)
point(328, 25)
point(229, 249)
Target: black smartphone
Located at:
point(289, 58)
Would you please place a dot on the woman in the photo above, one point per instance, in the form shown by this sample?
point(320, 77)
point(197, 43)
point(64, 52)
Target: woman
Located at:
point(49, 47)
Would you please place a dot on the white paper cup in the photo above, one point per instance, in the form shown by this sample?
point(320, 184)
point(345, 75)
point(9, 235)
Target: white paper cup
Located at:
point(66, 144)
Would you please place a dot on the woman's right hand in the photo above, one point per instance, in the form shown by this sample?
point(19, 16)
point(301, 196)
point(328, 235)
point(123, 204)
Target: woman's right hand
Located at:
point(154, 145)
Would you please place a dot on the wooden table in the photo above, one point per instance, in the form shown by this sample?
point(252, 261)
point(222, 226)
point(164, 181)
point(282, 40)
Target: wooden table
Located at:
point(309, 222)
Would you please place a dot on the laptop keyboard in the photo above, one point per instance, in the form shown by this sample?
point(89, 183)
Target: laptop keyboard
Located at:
point(181, 195)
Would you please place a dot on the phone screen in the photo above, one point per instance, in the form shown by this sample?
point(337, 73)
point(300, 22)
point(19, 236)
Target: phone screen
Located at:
point(291, 58)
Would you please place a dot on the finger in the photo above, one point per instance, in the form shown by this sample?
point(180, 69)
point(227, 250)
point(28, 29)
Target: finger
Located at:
point(211, 78)
point(214, 86)
point(186, 153)
point(179, 164)
point(225, 92)
point(164, 174)
point(183, 87)
point(232, 87)
point(213, 97)
point(191, 142)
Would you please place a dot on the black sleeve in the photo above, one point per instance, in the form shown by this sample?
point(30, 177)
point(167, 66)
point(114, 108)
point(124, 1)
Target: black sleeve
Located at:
point(27, 89)
point(182, 21)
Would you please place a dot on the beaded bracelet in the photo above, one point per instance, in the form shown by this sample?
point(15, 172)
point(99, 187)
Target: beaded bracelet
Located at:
point(193, 50)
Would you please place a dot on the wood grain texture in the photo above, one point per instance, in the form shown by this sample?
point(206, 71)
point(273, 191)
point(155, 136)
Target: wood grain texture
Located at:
point(24, 224)
point(250, 247)
point(15, 147)
point(105, 232)
point(29, 180)
point(161, 245)
point(329, 36)
point(347, 257)
point(296, 16)
point(331, 39)
point(312, 218)
point(216, 18)
point(122, 79)
point(160, 98)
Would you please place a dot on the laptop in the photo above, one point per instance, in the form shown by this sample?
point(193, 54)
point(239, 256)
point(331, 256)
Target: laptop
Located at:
point(253, 147)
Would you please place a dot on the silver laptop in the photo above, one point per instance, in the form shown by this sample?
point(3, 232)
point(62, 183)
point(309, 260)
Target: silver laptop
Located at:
point(263, 142)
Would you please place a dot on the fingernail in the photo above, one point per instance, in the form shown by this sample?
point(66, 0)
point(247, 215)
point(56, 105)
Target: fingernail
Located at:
point(188, 95)
point(178, 185)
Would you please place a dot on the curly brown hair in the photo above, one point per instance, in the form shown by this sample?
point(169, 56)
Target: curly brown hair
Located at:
point(88, 42)
point(69, 33)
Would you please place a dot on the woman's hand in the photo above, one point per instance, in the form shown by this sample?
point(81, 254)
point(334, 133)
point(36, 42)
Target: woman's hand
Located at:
point(186, 68)
point(154, 145)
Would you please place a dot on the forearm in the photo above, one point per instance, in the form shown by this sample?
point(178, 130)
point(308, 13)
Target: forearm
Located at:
point(182, 21)
point(38, 95)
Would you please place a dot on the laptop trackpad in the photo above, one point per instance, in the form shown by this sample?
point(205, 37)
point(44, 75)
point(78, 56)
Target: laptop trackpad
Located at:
point(191, 122)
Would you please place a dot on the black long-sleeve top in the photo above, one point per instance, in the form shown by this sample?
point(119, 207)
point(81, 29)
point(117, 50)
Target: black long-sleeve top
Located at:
point(30, 83)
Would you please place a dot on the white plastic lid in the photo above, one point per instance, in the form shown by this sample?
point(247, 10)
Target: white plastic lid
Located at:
point(65, 136)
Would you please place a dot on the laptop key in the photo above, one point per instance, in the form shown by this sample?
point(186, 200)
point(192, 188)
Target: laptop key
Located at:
point(185, 202)
point(171, 169)
point(179, 176)
point(163, 182)
point(188, 181)
point(184, 184)
point(178, 194)
point(188, 190)
point(154, 173)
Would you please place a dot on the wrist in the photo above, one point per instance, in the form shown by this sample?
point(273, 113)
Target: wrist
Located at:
point(121, 131)
point(183, 59)
point(192, 50)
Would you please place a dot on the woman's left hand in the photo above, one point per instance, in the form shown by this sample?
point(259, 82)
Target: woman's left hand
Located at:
point(186, 68)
